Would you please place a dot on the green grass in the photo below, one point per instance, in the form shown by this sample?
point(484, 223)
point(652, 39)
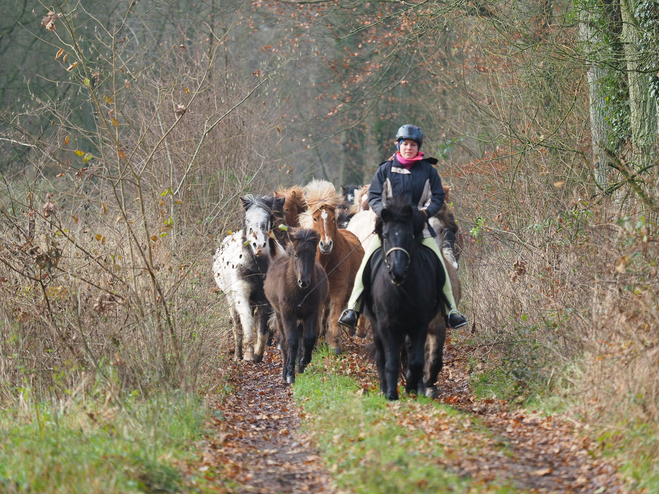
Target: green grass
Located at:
point(365, 447)
point(85, 448)
point(636, 447)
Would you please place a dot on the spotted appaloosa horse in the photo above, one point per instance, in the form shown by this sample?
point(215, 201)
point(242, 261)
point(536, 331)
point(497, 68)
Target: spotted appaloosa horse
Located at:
point(297, 288)
point(339, 252)
point(239, 267)
point(294, 204)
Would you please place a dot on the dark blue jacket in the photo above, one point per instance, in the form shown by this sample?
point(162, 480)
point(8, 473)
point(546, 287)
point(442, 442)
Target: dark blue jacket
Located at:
point(421, 184)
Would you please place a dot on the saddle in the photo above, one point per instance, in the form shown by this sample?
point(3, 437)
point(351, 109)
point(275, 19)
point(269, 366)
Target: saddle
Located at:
point(376, 262)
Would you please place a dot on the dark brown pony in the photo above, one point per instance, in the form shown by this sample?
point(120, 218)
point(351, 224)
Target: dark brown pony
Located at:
point(296, 288)
point(294, 205)
point(434, 350)
point(339, 252)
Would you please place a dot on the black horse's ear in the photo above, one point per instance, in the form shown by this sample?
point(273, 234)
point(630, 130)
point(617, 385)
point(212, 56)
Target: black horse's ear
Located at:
point(407, 210)
point(386, 215)
point(246, 202)
point(278, 203)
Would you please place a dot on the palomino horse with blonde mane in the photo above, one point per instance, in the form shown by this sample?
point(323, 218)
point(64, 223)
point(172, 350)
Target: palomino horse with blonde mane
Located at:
point(294, 204)
point(339, 252)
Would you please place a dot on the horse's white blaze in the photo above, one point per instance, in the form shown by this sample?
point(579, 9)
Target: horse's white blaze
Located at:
point(324, 216)
point(256, 225)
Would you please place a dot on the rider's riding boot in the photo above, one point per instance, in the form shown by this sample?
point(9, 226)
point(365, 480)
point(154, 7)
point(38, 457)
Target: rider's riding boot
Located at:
point(349, 318)
point(455, 319)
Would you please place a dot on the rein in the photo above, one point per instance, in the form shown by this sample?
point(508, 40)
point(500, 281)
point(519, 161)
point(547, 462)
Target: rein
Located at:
point(342, 261)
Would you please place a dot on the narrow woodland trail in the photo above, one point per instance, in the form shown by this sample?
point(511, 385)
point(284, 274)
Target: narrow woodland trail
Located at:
point(257, 438)
point(258, 443)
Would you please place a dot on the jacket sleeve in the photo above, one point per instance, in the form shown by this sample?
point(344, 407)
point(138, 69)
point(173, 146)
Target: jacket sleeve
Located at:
point(376, 190)
point(437, 194)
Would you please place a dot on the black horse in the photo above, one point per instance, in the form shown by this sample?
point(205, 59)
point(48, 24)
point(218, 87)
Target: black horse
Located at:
point(345, 209)
point(402, 298)
point(296, 287)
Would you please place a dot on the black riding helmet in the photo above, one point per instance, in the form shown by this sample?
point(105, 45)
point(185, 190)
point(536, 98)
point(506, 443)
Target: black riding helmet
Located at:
point(412, 132)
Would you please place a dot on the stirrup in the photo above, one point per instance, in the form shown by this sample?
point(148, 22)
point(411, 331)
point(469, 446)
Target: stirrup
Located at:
point(455, 319)
point(349, 318)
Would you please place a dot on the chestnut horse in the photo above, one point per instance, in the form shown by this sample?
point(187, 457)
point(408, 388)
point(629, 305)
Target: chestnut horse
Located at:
point(294, 205)
point(339, 252)
point(297, 288)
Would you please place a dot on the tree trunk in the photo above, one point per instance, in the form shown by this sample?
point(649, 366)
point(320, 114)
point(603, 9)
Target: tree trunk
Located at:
point(642, 106)
point(599, 124)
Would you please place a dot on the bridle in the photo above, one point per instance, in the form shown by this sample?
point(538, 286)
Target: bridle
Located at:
point(386, 256)
point(386, 260)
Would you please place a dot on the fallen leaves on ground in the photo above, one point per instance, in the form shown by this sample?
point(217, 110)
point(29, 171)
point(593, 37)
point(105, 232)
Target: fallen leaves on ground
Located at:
point(257, 447)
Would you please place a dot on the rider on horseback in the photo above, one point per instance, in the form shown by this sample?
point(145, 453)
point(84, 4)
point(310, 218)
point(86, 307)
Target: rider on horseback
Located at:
point(408, 174)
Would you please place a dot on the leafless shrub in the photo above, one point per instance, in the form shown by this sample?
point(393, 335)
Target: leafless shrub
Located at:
point(107, 228)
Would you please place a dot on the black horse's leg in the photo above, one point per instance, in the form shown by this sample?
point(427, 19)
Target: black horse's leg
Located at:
point(237, 335)
point(392, 345)
point(262, 313)
point(310, 337)
point(291, 345)
point(379, 361)
point(415, 348)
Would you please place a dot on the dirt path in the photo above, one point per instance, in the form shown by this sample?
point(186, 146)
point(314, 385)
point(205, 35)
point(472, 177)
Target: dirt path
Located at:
point(259, 446)
point(260, 449)
point(537, 453)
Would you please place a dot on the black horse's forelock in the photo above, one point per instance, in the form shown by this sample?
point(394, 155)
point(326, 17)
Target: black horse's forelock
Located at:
point(398, 212)
point(305, 235)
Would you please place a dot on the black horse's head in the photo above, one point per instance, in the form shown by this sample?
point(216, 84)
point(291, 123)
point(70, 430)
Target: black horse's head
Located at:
point(397, 228)
point(303, 248)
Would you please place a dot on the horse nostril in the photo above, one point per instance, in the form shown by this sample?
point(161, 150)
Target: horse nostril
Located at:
point(302, 283)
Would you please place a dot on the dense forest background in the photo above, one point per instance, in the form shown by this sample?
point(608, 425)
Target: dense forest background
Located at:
point(129, 129)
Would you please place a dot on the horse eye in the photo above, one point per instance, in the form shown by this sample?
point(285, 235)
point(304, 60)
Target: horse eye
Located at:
point(285, 210)
point(315, 219)
point(296, 256)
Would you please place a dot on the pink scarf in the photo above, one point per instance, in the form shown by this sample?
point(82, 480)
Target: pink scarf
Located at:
point(409, 163)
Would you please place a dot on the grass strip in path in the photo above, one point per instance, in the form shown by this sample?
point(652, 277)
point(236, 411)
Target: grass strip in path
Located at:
point(457, 444)
point(373, 446)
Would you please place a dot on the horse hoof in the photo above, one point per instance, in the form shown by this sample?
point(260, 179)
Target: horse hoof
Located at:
point(290, 379)
point(257, 358)
point(248, 357)
point(412, 391)
point(431, 392)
